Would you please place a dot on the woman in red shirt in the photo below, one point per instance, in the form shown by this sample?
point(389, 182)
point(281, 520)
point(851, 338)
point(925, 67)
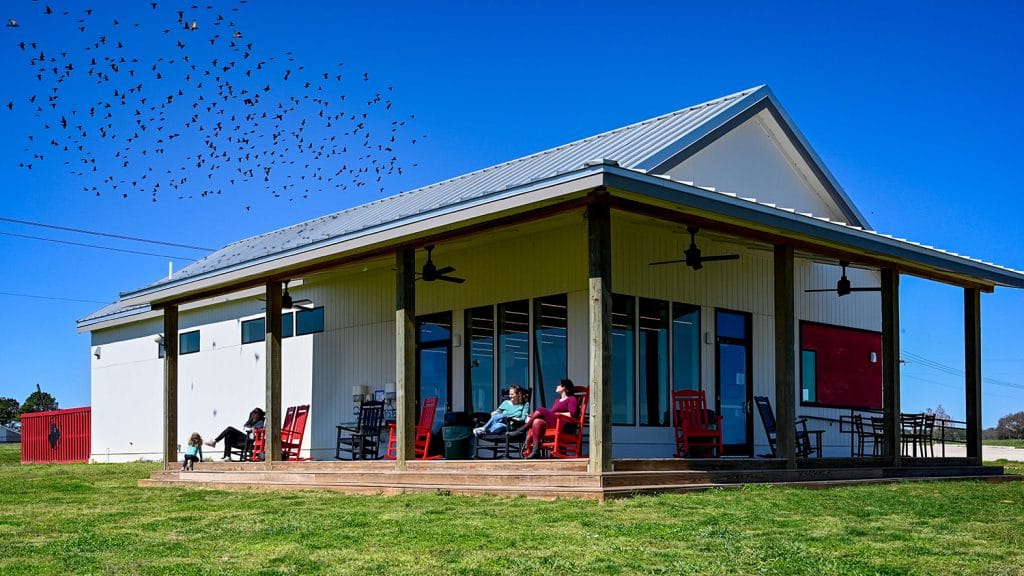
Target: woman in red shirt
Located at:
point(543, 418)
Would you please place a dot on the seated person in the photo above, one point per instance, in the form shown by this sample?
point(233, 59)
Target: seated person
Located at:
point(543, 418)
point(235, 438)
point(514, 409)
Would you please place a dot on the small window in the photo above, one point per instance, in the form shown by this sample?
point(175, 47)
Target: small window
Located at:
point(254, 330)
point(808, 386)
point(309, 321)
point(161, 351)
point(288, 325)
point(188, 342)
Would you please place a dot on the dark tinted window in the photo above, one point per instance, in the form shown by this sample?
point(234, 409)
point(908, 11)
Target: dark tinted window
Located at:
point(188, 343)
point(309, 321)
point(253, 330)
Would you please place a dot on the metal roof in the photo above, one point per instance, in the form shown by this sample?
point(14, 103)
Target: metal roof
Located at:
point(630, 146)
point(634, 148)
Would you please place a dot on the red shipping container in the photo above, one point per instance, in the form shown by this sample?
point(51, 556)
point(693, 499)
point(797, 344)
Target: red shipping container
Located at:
point(56, 436)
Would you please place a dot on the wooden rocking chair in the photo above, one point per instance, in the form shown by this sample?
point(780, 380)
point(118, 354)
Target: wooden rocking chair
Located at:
point(424, 432)
point(695, 427)
point(292, 432)
point(565, 438)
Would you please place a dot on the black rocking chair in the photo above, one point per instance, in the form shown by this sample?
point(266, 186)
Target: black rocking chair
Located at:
point(508, 444)
point(362, 441)
point(804, 445)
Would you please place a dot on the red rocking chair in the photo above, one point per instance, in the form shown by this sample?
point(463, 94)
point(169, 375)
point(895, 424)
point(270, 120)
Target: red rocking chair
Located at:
point(424, 431)
point(292, 432)
point(695, 426)
point(565, 439)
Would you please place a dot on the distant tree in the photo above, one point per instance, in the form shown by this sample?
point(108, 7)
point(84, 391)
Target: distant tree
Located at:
point(944, 426)
point(39, 401)
point(1011, 426)
point(9, 411)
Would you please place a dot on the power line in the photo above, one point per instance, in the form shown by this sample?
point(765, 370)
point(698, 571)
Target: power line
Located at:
point(52, 298)
point(918, 359)
point(94, 233)
point(95, 246)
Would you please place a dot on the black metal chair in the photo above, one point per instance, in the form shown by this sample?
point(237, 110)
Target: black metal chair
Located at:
point(804, 445)
point(362, 441)
point(508, 444)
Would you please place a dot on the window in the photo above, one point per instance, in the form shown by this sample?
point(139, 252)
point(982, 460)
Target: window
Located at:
point(685, 347)
point(501, 352)
point(623, 359)
point(550, 332)
point(514, 345)
point(309, 321)
point(840, 367)
point(656, 348)
point(253, 330)
point(188, 342)
point(287, 325)
point(654, 328)
point(480, 369)
point(808, 384)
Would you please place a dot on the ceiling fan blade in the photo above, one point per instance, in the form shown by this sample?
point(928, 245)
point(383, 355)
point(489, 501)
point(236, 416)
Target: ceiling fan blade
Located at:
point(822, 290)
point(445, 270)
point(667, 262)
point(452, 279)
point(720, 258)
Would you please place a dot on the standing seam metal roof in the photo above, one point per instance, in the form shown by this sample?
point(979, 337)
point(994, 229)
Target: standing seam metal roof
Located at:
point(629, 145)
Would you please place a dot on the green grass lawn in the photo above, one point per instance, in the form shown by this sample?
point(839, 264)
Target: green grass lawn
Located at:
point(93, 519)
point(1018, 443)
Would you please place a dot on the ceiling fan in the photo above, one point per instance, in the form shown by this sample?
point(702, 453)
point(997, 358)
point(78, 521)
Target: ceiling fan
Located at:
point(288, 303)
point(843, 285)
point(431, 272)
point(693, 257)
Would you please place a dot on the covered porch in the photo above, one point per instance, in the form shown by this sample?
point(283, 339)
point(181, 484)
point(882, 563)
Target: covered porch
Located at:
point(612, 202)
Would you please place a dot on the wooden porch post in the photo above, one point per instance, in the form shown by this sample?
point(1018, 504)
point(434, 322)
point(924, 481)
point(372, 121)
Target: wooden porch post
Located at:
point(170, 385)
point(273, 379)
point(972, 371)
point(785, 362)
point(405, 354)
point(891, 363)
point(599, 248)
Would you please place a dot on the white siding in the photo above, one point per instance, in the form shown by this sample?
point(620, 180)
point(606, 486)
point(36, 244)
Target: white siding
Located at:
point(756, 159)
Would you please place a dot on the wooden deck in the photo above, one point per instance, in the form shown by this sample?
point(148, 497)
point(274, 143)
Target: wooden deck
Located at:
point(548, 479)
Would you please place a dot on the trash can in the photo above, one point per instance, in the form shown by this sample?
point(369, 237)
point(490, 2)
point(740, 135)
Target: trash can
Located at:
point(456, 442)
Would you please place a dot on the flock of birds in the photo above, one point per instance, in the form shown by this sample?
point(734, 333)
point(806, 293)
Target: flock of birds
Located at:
point(179, 101)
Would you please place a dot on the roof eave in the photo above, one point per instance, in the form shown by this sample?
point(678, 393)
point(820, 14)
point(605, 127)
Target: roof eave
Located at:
point(390, 233)
point(824, 231)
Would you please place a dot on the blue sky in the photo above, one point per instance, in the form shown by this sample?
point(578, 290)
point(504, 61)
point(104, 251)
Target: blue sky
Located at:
point(911, 105)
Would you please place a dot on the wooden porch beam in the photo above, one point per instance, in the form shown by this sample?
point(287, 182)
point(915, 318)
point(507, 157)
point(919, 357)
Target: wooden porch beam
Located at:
point(891, 363)
point(405, 355)
point(599, 249)
point(785, 351)
point(170, 386)
point(273, 378)
point(972, 371)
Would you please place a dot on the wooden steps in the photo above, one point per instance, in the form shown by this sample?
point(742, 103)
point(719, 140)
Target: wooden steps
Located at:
point(548, 479)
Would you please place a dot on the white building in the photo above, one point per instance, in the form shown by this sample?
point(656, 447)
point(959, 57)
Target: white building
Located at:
point(543, 243)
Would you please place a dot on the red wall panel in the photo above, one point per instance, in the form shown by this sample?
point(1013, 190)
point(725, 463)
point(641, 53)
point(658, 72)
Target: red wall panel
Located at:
point(848, 365)
point(56, 436)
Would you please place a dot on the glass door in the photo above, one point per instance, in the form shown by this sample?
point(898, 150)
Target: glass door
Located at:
point(733, 395)
point(433, 367)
